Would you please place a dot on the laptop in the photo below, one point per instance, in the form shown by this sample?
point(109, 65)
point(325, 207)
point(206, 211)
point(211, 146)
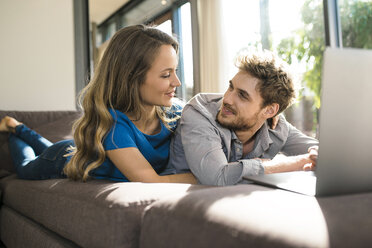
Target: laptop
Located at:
point(344, 163)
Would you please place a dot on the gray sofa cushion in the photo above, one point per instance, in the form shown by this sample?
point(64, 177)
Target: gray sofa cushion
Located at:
point(17, 230)
point(93, 214)
point(53, 125)
point(255, 216)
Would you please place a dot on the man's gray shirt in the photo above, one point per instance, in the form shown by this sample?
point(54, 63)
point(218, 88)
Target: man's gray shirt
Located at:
point(214, 154)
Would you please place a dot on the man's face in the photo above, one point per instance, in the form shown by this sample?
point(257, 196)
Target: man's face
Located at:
point(241, 107)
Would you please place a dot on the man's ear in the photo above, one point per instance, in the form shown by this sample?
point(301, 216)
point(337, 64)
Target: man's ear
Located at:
point(271, 110)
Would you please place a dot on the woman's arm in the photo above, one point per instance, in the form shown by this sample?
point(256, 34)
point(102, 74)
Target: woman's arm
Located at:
point(136, 168)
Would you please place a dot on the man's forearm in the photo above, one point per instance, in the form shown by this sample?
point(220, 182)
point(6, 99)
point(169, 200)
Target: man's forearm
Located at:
point(229, 173)
point(283, 163)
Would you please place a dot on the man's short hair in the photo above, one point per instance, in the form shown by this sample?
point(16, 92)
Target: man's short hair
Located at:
point(275, 82)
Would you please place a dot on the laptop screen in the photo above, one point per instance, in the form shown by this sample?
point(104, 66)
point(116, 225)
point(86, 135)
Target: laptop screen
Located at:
point(345, 137)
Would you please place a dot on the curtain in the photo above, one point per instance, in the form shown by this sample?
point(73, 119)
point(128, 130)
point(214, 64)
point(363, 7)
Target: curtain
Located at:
point(213, 69)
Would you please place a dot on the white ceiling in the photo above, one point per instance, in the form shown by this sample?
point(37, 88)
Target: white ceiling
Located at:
point(99, 10)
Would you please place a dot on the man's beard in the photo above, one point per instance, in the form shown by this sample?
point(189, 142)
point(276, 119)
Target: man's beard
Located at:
point(239, 124)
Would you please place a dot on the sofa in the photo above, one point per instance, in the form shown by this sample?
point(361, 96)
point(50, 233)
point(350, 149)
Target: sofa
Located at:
point(100, 213)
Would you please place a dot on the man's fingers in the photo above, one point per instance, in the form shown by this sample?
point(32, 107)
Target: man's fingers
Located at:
point(309, 167)
point(313, 154)
point(313, 148)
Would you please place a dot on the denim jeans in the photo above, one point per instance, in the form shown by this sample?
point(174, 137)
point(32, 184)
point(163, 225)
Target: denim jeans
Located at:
point(35, 157)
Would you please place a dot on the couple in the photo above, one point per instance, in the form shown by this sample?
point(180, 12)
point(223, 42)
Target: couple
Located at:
point(128, 120)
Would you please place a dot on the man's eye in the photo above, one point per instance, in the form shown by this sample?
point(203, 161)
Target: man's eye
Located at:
point(243, 96)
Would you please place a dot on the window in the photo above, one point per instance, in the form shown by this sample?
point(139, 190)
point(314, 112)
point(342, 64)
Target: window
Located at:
point(186, 51)
point(166, 27)
point(356, 23)
point(292, 29)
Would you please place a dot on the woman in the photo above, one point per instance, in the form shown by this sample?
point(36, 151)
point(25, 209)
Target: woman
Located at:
point(124, 132)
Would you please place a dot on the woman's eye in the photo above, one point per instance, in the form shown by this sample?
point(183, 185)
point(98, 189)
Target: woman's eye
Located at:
point(166, 76)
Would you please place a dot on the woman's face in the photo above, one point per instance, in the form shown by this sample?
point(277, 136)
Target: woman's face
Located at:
point(161, 80)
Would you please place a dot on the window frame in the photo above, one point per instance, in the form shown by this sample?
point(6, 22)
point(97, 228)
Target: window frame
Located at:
point(332, 24)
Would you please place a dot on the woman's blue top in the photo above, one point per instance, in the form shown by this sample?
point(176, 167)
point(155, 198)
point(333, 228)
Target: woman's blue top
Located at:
point(124, 134)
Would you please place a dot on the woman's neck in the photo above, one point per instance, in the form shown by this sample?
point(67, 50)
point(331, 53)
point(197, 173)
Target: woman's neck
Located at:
point(149, 122)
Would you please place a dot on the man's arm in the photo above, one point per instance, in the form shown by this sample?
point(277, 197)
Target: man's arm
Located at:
point(203, 146)
point(297, 142)
point(300, 153)
point(282, 163)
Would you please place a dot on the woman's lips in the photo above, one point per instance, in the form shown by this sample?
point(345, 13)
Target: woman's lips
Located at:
point(170, 94)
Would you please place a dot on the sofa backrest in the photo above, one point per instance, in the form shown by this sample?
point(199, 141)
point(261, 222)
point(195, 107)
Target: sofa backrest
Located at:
point(53, 125)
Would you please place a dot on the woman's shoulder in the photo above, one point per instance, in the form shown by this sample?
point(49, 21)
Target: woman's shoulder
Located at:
point(121, 133)
point(121, 123)
point(118, 115)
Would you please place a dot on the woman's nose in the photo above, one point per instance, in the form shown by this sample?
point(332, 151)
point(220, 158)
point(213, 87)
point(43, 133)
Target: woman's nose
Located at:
point(176, 82)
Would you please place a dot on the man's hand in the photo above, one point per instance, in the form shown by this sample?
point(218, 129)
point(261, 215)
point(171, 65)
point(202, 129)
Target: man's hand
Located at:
point(283, 163)
point(274, 121)
point(313, 156)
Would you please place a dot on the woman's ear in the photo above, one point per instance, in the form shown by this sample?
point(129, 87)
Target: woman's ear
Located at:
point(271, 110)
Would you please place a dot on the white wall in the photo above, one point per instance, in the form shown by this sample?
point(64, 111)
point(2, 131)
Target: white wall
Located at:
point(37, 68)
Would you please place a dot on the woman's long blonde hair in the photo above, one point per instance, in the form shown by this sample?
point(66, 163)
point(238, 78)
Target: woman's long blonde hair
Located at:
point(115, 85)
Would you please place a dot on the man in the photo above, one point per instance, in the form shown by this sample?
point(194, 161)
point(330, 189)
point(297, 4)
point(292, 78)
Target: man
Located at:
point(223, 138)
